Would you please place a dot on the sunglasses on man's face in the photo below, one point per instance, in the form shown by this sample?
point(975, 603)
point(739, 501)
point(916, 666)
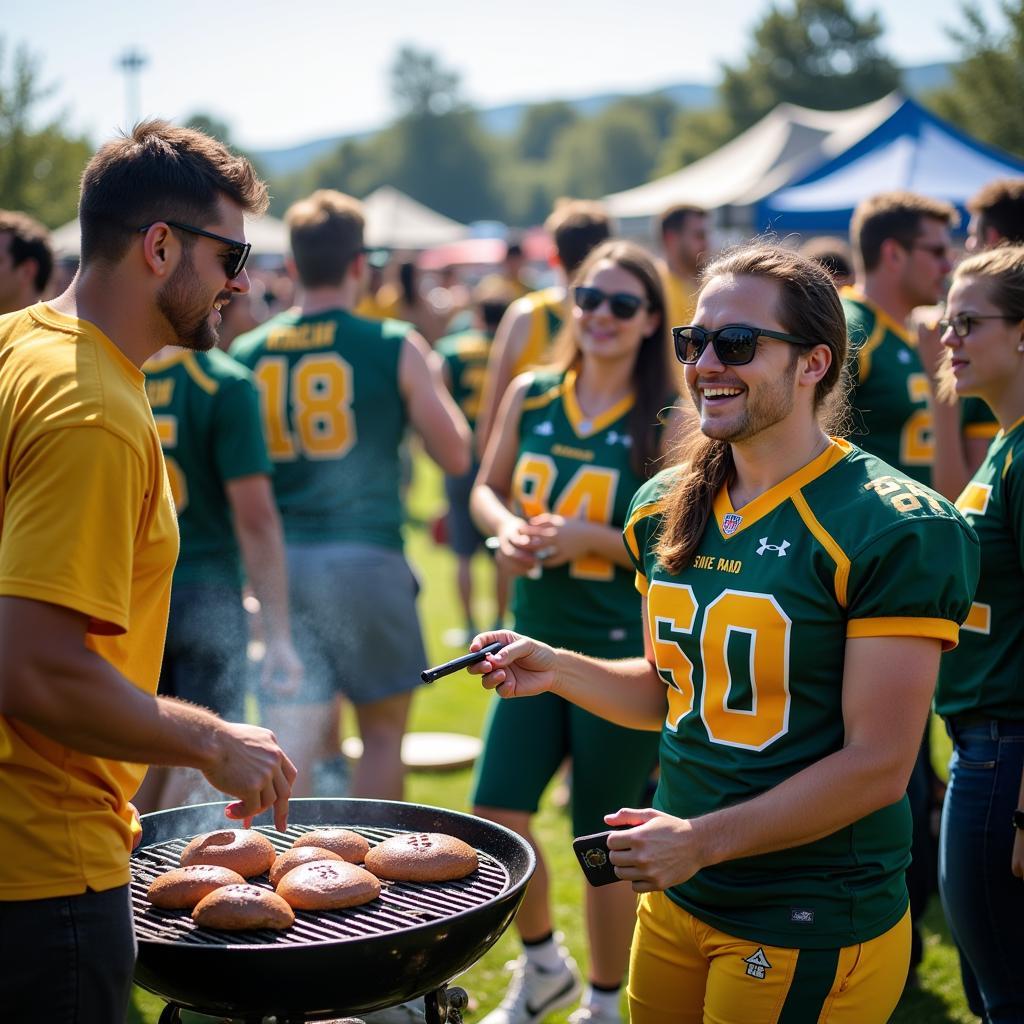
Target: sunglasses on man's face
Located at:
point(734, 344)
point(623, 305)
point(237, 252)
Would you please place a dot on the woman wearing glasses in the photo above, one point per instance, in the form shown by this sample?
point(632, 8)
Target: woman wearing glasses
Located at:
point(570, 448)
point(797, 595)
point(981, 684)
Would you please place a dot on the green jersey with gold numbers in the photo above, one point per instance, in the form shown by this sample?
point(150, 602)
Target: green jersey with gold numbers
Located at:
point(575, 467)
point(985, 674)
point(334, 418)
point(465, 355)
point(750, 640)
point(207, 414)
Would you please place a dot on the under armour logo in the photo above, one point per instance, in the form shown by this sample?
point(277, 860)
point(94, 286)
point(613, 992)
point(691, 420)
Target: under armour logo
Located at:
point(904, 356)
point(544, 429)
point(757, 963)
point(614, 437)
point(779, 549)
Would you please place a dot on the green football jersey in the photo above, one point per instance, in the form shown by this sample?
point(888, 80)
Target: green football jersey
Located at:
point(985, 674)
point(334, 418)
point(751, 639)
point(572, 466)
point(206, 409)
point(465, 354)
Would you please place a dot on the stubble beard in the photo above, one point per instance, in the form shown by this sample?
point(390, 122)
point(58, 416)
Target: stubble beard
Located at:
point(764, 408)
point(179, 303)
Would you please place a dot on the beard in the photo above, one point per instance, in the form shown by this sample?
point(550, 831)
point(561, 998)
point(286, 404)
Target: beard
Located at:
point(769, 404)
point(180, 301)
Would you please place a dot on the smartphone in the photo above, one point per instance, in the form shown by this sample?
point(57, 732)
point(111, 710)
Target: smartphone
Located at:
point(592, 853)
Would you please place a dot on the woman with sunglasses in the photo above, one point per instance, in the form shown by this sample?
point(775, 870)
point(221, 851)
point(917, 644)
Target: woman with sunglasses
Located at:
point(569, 449)
point(981, 684)
point(797, 594)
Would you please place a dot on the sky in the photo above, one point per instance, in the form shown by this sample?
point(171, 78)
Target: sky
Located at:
point(284, 73)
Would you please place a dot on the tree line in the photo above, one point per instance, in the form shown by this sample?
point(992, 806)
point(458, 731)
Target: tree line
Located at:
point(815, 53)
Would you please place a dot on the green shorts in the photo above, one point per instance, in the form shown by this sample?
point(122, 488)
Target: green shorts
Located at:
point(527, 739)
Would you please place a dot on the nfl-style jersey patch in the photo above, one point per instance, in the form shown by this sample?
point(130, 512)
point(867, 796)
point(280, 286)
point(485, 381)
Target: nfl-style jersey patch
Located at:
point(731, 523)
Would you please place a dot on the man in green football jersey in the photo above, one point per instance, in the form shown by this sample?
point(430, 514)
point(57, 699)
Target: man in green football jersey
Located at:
point(337, 394)
point(206, 410)
point(797, 595)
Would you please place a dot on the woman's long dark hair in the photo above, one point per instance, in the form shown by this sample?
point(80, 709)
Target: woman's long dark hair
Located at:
point(654, 387)
point(809, 307)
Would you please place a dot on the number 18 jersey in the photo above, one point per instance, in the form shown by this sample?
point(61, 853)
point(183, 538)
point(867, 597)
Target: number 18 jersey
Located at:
point(333, 418)
point(750, 640)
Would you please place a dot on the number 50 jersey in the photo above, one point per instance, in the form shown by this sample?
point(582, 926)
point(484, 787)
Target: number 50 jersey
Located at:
point(333, 418)
point(750, 640)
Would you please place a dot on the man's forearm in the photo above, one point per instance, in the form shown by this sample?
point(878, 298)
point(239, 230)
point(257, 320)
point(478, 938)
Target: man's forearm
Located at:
point(628, 692)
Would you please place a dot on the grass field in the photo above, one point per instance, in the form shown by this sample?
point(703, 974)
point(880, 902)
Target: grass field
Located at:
point(458, 704)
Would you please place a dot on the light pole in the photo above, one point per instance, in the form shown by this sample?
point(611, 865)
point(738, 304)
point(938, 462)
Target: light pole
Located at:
point(131, 63)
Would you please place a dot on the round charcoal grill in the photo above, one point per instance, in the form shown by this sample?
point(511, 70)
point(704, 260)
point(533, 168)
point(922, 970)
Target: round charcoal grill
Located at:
point(408, 943)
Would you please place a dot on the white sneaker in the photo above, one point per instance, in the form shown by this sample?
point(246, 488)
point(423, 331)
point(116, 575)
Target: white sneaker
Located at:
point(586, 1014)
point(533, 993)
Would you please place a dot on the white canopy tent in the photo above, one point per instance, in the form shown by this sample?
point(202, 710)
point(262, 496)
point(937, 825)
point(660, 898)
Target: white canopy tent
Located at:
point(397, 221)
point(267, 235)
point(784, 145)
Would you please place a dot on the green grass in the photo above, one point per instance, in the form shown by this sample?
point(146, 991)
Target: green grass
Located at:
point(458, 704)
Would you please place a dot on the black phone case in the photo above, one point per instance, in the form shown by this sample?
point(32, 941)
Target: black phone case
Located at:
point(592, 853)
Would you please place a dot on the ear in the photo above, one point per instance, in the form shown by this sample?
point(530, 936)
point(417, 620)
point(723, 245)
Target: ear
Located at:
point(26, 270)
point(992, 237)
point(160, 250)
point(892, 253)
point(813, 365)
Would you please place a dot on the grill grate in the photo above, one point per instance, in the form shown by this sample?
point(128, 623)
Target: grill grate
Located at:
point(401, 905)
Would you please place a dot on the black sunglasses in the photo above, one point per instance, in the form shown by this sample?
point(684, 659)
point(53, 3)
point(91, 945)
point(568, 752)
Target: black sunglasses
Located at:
point(961, 323)
point(735, 344)
point(623, 305)
point(234, 258)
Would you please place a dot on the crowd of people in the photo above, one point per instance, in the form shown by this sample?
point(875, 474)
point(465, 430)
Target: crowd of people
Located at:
point(754, 514)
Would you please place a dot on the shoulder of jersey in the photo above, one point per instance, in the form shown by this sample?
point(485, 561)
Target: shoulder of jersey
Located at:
point(223, 366)
point(545, 387)
point(860, 319)
point(251, 339)
point(650, 496)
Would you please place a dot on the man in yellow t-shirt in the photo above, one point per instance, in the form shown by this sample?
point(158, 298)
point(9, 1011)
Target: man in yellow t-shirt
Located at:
point(88, 541)
point(683, 230)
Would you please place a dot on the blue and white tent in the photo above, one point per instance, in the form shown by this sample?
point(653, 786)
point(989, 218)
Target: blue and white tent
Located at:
point(912, 149)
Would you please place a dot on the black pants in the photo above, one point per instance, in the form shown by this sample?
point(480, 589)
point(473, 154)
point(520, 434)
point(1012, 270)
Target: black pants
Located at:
point(67, 959)
point(922, 875)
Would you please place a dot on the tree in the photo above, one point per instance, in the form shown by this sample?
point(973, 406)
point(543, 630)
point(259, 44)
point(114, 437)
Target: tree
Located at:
point(213, 126)
point(986, 95)
point(39, 168)
point(541, 126)
point(817, 53)
point(695, 134)
point(420, 86)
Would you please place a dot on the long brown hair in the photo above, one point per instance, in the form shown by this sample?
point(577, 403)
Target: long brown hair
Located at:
point(652, 378)
point(809, 307)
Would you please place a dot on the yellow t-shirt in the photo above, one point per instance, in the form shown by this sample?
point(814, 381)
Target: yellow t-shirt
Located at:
point(680, 299)
point(86, 522)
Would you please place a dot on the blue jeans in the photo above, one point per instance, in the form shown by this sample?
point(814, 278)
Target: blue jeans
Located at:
point(67, 959)
point(984, 902)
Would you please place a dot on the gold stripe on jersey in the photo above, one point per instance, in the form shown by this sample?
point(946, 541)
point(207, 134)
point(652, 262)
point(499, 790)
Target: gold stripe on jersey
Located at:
point(771, 499)
point(983, 431)
point(1009, 459)
point(933, 629)
point(629, 530)
point(207, 383)
point(641, 583)
point(979, 618)
point(539, 401)
point(883, 324)
point(582, 425)
point(975, 498)
point(828, 542)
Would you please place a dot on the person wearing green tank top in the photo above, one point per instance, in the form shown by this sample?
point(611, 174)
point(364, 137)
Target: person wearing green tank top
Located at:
point(572, 444)
point(337, 393)
point(797, 593)
point(981, 684)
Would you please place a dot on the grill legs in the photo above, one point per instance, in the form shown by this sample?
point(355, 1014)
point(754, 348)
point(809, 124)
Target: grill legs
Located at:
point(445, 1006)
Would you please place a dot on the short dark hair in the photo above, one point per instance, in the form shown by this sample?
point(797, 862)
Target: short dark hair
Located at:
point(895, 215)
point(577, 225)
point(674, 218)
point(1000, 205)
point(831, 253)
point(159, 172)
point(29, 241)
point(326, 230)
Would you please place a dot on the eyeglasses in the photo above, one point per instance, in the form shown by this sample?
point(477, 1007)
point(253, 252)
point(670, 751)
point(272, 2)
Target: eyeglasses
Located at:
point(623, 305)
point(961, 323)
point(734, 344)
point(940, 252)
point(234, 258)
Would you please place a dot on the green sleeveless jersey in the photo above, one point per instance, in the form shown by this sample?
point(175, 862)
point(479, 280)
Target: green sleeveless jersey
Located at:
point(750, 640)
point(207, 414)
point(334, 418)
point(985, 674)
point(465, 354)
point(891, 414)
point(574, 467)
